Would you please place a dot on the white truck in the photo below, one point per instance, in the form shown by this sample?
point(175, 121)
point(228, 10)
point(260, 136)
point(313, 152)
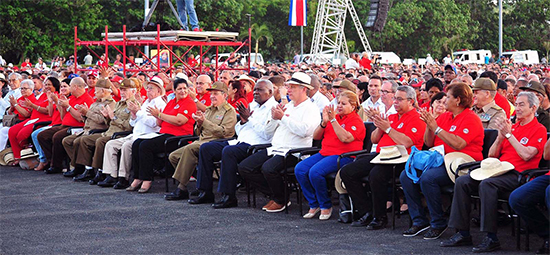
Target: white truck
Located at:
point(471, 56)
point(528, 57)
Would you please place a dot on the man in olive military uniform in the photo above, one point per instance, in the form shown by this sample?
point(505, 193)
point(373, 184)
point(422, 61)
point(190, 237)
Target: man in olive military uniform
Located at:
point(91, 148)
point(94, 120)
point(218, 121)
point(484, 103)
point(543, 116)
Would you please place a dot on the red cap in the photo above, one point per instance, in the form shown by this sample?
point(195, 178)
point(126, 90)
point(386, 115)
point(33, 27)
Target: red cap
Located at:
point(417, 85)
point(93, 73)
point(116, 79)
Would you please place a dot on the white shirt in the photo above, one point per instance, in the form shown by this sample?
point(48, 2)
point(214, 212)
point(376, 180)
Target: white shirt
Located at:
point(258, 129)
point(5, 102)
point(351, 63)
point(144, 122)
point(296, 128)
point(378, 104)
point(320, 100)
point(88, 59)
point(390, 111)
point(41, 66)
point(447, 60)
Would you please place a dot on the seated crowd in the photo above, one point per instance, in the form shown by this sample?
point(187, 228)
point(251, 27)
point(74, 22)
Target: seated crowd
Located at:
point(109, 129)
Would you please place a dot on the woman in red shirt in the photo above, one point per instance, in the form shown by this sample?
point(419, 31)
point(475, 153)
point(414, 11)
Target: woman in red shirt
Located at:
point(458, 130)
point(59, 89)
point(20, 133)
point(341, 130)
point(174, 120)
point(236, 93)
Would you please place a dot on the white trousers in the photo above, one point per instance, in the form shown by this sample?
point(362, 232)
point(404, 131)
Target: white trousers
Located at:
point(110, 159)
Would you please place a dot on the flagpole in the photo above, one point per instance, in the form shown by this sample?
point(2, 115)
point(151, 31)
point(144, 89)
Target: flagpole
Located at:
point(301, 43)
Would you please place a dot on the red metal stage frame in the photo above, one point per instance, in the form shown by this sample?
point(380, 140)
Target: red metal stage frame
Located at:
point(160, 46)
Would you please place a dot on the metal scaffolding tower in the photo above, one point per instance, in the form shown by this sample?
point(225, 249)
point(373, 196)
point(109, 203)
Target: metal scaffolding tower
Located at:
point(329, 38)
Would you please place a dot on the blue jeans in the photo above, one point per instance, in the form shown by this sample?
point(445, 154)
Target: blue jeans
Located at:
point(186, 7)
point(311, 173)
point(34, 136)
point(524, 199)
point(430, 184)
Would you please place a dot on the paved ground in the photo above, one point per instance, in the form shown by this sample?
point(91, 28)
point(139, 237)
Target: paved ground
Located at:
point(46, 214)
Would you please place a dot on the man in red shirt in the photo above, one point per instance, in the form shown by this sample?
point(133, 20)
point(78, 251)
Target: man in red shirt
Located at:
point(521, 145)
point(404, 128)
point(201, 96)
point(50, 139)
point(92, 79)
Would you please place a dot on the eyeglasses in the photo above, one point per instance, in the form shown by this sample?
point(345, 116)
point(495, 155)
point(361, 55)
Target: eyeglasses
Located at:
point(201, 83)
point(386, 91)
point(399, 99)
point(12, 80)
point(24, 88)
point(422, 89)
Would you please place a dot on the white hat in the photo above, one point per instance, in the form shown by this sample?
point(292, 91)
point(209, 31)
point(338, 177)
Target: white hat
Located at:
point(339, 184)
point(302, 79)
point(245, 77)
point(394, 154)
point(28, 153)
point(182, 76)
point(6, 157)
point(159, 83)
point(453, 160)
point(491, 167)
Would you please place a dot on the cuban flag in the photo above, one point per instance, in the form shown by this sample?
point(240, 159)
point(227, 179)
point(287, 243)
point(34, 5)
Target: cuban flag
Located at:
point(298, 13)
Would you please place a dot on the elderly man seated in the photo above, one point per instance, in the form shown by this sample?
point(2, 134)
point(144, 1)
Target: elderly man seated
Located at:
point(252, 129)
point(94, 120)
point(519, 147)
point(142, 123)
point(484, 103)
point(91, 147)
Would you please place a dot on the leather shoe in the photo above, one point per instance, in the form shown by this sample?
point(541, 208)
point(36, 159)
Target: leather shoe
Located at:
point(122, 183)
point(53, 170)
point(177, 194)
point(75, 172)
point(544, 249)
point(203, 198)
point(87, 175)
point(378, 223)
point(457, 240)
point(195, 193)
point(98, 177)
point(227, 201)
point(363, 221)
point(108, 182)
point(487, 245)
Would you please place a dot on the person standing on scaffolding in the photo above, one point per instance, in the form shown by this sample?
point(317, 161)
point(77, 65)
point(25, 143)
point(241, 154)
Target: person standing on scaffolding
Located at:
point(186, 7)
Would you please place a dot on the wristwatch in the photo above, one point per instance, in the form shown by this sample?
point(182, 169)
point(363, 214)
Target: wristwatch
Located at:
point(332, 120)
point(387, 131)
point(508, 135)
point(195, 100)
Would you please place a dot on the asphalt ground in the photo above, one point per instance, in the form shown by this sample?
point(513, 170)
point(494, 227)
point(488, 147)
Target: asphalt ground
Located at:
point(51, 214)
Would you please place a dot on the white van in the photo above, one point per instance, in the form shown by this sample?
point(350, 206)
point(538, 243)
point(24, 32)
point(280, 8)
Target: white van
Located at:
point(386, 57)
point(471, 56)
point(528, 57)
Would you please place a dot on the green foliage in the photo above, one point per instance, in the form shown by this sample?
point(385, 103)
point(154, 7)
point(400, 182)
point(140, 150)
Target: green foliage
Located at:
point(45, 28)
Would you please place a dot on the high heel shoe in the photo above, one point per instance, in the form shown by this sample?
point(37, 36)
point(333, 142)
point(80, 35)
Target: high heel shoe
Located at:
point(134, 188)
point(145, 190)
point(326, 216)
point(311, 215)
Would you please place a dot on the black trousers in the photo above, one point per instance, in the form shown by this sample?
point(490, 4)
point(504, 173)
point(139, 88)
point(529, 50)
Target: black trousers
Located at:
point(143, 156)
point(488, 190)
point(265, 173)
point(379, 178)
point(50, 142)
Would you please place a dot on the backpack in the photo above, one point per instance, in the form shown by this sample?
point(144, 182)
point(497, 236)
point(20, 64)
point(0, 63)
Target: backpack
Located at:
point(420, 161)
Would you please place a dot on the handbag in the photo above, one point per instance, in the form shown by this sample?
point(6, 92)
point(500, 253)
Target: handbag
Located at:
point(9, 120)
point(420, 161)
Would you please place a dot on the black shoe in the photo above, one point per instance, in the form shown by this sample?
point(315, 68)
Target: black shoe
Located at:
point(87, 175)
point(415, 230)
point(122, 183)
point(203, 198)
point(53, 170)
point(79, 169)
point(544, 249)
point(99, 176)
point(487, 245)
point(177, 194)
point(434, 233)
point(363, 221)
point(195, 193)
point(227, 201)
point(378, 223)
point(457, 240)
point(108, 182)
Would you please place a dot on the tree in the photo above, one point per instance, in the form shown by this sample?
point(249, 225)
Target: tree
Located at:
point(260, 33)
